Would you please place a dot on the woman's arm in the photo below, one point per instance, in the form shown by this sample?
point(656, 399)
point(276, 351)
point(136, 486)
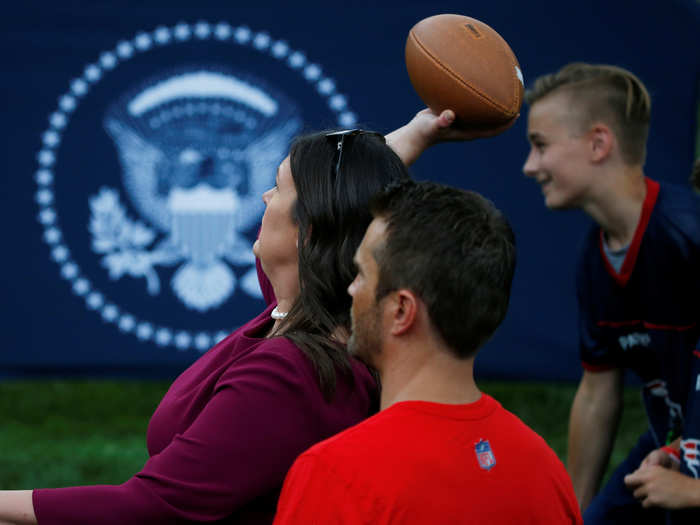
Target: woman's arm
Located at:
point(428, 128)
point(239, 448)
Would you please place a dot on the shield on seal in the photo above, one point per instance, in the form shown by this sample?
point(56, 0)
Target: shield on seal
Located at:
point(198, 148)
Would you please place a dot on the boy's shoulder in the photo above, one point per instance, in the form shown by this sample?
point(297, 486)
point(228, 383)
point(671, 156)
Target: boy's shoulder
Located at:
point(677, 212)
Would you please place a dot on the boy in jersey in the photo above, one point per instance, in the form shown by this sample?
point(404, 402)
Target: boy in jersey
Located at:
point(433, 282)
point(637, 275)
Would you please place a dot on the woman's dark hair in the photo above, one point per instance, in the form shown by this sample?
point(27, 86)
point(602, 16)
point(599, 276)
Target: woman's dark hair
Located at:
point(332, 213)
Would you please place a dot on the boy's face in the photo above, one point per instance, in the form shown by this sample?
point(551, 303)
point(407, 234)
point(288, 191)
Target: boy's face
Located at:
point(559, 152)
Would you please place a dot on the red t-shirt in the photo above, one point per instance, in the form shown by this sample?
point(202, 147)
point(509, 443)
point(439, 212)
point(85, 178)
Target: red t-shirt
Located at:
point(420, 462)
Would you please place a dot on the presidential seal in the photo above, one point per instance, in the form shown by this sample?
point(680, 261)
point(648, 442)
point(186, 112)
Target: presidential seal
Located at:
point(172, 192)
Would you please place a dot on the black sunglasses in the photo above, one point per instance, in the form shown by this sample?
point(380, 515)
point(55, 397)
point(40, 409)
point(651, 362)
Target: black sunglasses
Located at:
point(339, 136)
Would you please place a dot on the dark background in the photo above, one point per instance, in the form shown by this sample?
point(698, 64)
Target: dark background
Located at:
point(47, 329)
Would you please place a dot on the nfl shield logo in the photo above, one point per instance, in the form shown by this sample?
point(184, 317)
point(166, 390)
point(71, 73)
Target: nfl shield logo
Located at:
point(484, 454)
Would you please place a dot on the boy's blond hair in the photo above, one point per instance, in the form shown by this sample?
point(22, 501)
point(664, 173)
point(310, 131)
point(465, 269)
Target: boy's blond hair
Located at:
point(603, 93)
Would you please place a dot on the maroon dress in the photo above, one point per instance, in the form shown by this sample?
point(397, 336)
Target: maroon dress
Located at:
point(223, 437)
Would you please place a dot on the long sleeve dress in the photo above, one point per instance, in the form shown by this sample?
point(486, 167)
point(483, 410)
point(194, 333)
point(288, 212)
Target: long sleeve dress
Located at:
point(223, 437)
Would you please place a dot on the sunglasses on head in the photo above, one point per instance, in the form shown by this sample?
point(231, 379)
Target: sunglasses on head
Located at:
point(339, 137)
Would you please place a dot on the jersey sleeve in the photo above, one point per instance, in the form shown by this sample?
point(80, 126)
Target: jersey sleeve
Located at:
point(595, 352)
point(690, 442)
point(239, 448)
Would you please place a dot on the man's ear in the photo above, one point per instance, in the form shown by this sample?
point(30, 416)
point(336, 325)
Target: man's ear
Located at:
point(403, 311)
point(602, 141)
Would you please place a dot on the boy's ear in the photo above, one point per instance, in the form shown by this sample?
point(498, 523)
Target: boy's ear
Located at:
point(602, 141)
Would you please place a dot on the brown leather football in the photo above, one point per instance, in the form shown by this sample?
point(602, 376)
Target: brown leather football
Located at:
point(460, 63)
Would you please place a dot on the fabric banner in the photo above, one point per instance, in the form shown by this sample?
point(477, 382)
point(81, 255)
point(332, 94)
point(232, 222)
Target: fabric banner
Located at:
point(139, 138)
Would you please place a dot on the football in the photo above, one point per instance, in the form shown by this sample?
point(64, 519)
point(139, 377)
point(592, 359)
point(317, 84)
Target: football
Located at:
point(460, 63)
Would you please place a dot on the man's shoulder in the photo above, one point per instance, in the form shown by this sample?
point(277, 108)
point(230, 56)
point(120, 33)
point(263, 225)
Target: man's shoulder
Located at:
point(369, 433)
point(376, 437)
point(525, 435)
point(381, 439)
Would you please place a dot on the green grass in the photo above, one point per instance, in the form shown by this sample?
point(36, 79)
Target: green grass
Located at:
point(62, 433)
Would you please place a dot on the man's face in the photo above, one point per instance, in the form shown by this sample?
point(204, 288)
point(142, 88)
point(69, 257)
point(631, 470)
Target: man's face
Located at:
point(366, 339)
point(559, 152)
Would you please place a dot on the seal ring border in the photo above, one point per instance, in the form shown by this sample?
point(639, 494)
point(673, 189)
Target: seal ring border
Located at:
point(67, 103)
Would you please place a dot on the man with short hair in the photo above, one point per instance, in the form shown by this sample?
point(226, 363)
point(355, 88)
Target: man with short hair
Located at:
point(637, 276)
point(434, 273)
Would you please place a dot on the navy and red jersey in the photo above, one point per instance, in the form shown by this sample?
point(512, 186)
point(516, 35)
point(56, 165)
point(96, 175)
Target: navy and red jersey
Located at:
point(645, 317)
point(690, 444)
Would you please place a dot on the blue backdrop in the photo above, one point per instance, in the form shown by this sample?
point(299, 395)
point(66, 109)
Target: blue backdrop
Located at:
point(117, 161)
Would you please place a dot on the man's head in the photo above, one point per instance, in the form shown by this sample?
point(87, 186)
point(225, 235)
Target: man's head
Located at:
point(450, 250)
point(581, 117)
